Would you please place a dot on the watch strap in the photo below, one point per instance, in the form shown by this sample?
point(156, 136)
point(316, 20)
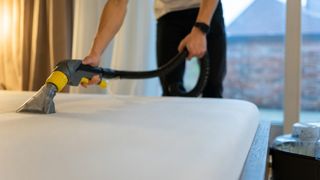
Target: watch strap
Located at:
point(203, 27)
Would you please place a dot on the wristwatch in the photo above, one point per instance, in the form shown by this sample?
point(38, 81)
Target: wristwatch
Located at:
point(203, 27)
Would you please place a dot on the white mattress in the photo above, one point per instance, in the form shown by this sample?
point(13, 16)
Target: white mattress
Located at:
point(99, 137)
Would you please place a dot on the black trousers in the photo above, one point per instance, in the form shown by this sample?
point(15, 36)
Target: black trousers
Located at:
point(172, 28)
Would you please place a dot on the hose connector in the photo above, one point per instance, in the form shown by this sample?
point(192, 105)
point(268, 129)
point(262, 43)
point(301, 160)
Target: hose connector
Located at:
point(59, 79)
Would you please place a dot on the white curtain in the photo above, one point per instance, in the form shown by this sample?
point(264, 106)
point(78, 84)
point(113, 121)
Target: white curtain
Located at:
point(133, 47)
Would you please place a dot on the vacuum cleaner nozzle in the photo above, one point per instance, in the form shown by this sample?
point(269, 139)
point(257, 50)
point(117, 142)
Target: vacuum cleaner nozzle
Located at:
point(66, 73)
point(42, 101)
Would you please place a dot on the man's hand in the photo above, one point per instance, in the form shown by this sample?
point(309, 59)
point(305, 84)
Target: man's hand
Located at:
point(195, 42)
point(110, 22)
point(92, 60)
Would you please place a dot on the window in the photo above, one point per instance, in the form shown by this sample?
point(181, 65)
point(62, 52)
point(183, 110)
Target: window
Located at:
point(310, 53)
point(256, 50)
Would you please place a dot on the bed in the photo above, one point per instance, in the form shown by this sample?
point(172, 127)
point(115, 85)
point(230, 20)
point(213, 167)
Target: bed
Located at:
point(137, 138)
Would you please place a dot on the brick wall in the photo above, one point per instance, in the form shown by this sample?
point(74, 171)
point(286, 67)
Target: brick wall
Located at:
point(256, 72)
point(311, 75)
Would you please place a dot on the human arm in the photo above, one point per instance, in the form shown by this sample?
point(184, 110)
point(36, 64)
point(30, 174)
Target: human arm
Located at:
point(110, 22)
point(196, 41)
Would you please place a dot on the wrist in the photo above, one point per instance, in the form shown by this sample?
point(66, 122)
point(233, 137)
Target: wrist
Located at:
point(94, 54)
point(202, 27)
point(198, 32)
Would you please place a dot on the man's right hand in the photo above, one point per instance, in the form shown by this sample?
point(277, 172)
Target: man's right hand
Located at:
point(110, 22)
point(92, 60)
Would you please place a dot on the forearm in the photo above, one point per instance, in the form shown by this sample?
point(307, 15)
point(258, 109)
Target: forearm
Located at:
point(110, 22)
point(206, 11)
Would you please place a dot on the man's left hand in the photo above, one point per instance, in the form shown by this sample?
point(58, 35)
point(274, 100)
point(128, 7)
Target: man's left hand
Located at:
point(195, 42)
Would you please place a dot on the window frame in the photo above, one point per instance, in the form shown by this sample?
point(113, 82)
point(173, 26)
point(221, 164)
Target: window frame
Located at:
point(292, 78)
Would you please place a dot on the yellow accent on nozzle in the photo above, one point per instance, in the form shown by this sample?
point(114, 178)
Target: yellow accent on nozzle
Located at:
point(103, 84)
point(59, 79)
point(84, 81)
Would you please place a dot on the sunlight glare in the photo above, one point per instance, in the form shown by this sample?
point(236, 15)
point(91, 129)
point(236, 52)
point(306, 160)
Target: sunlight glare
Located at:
point(4, 22)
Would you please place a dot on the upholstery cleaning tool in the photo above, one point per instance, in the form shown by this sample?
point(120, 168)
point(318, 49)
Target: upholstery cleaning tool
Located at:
point(73, 72)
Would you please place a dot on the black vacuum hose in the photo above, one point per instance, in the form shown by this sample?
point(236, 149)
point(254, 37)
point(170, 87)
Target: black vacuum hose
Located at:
point(174, 89)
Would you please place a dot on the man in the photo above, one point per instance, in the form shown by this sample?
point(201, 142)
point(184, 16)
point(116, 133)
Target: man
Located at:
point(197, 25)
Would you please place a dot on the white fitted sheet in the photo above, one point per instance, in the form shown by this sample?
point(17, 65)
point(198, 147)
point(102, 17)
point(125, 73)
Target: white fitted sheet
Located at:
point(100, 137)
